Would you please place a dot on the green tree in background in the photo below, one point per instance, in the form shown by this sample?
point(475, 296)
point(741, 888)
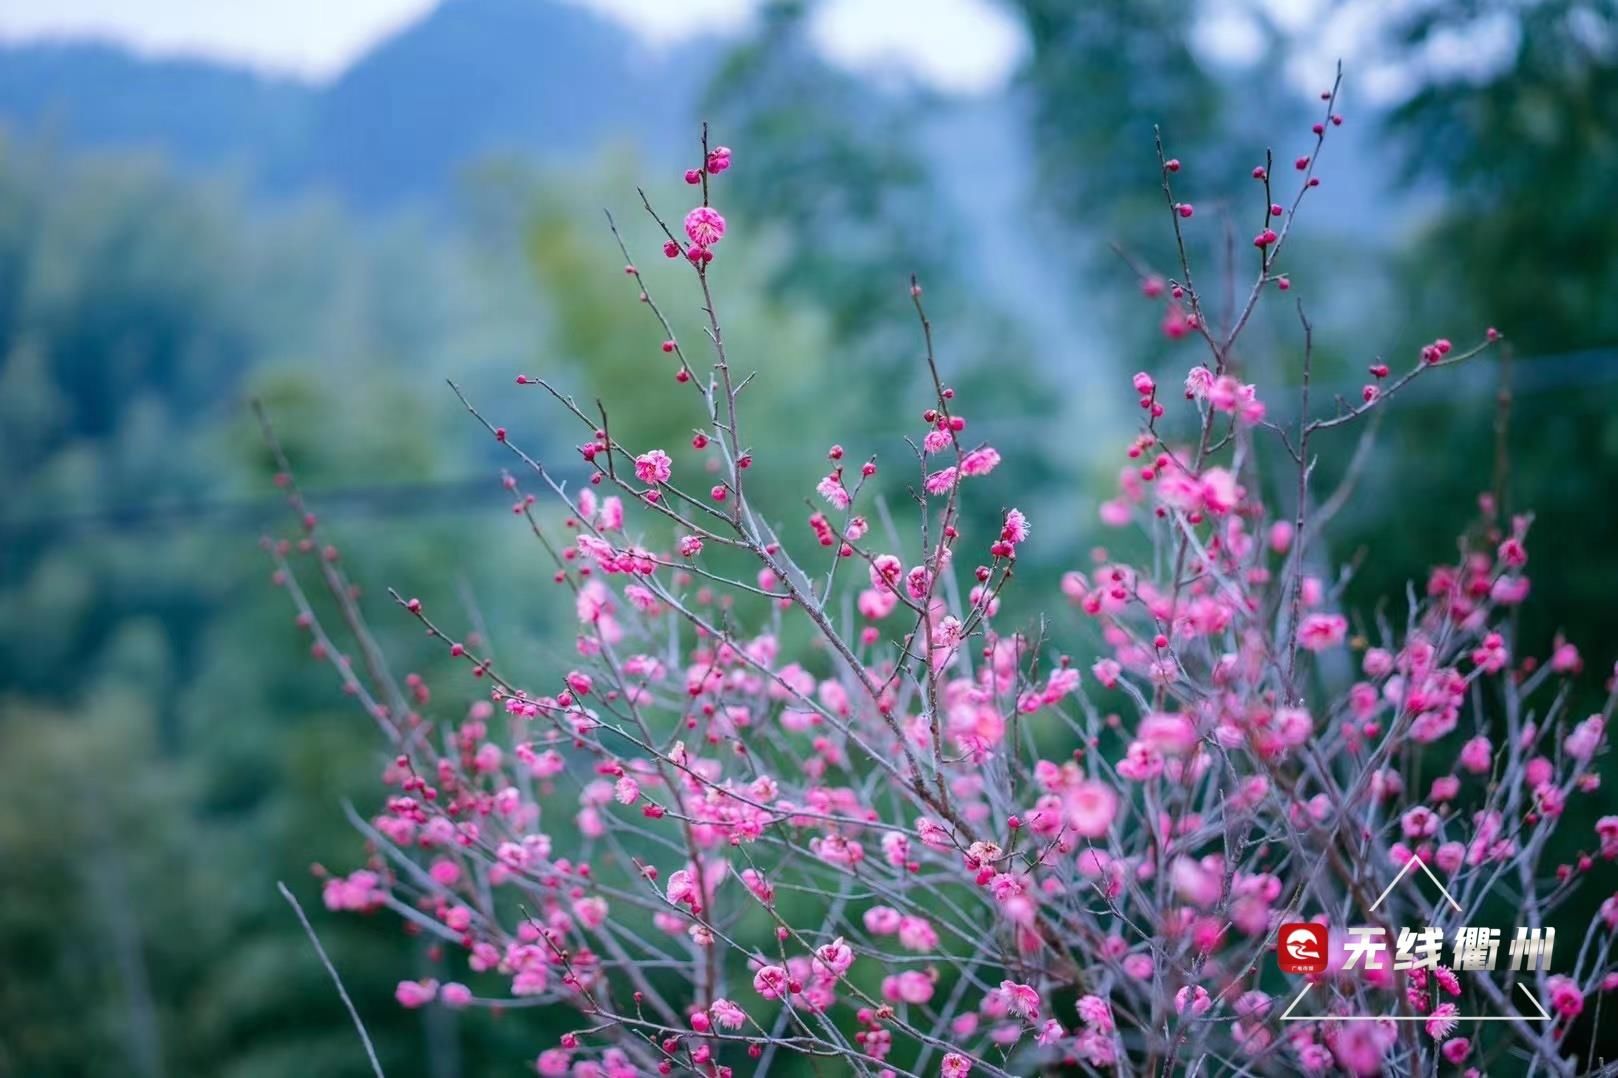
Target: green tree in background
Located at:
point(833, 167)
point(1100, 76)
point(168, 752)
point(835, 179)
point(1523, 149)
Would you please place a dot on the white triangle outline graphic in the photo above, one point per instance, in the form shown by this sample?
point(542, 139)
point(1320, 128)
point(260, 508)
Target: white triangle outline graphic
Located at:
point(1288, 1016)
point(1405, 871)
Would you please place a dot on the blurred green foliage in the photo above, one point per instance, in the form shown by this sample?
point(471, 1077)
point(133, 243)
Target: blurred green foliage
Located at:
point(852, 210)
point(1103, 76)
point(166, 754)
point(1510, 156)
point(1525, 238)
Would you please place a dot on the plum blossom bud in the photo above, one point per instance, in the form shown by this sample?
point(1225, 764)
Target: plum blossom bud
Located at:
point(413, 994)
point(1193, 1000)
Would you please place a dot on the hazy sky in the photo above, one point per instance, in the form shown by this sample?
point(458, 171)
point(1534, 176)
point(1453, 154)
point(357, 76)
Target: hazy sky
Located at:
point(964, 45)
point(967, 46)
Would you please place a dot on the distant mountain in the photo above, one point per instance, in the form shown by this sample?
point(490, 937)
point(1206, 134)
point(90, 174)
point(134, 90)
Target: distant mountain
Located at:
point(540, 78)
point(534, 77)
point(199, 113)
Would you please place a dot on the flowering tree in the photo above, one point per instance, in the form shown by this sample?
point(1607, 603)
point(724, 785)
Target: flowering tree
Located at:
point(804, 794)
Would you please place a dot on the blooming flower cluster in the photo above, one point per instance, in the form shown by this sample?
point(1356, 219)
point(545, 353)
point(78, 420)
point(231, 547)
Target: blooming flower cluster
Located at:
point(928, 843)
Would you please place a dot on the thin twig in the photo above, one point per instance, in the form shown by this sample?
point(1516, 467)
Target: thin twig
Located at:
point(353, 1013)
